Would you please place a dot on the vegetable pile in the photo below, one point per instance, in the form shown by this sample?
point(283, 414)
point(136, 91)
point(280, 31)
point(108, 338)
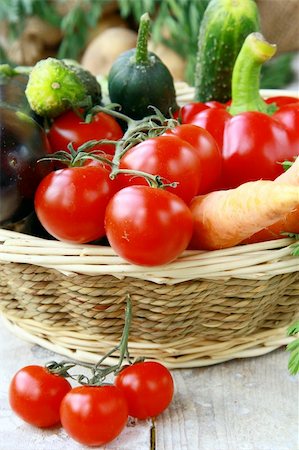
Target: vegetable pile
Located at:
point(149, 178)
point(143, 175)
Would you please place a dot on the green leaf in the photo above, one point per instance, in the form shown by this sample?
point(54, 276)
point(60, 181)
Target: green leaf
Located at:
point(137, 7)
point(278, 72)
point(295, 251)
point(294, 247)
point(182, 17)
point(293, 329)
point(3, 57)
point(293, 348)
point(286, 165)
point(293, 364)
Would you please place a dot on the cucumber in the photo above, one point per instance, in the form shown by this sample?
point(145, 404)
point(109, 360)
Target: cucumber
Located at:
point(224, 27)
point(55, 86)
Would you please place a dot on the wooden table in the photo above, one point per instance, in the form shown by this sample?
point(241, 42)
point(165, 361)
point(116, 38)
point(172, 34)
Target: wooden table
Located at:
point(249, 404)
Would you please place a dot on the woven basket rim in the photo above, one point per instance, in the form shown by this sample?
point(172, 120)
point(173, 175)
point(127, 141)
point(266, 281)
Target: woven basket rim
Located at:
point(251, 261)
point(204, 353)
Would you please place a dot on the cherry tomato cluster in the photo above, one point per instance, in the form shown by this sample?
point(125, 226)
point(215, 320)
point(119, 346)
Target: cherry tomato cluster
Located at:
point(95, 412)
point(143, 210)
point(91, 415)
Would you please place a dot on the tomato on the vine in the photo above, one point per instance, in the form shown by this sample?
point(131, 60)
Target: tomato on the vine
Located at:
point(208, 151)
point(70, 127)
point(35, 395)
point(213, 120)
point(148, 226)
point(70, 203)
point(148, 387)
point(94, 415)
point(189, 110)
point(173, 159)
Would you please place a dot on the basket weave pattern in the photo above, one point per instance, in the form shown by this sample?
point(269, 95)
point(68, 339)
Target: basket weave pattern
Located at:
point(211, 309)
point(204, 308)
point(201, 309)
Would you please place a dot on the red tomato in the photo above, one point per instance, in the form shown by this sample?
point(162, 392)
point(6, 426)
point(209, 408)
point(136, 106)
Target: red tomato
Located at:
point(70, 203)
point(208, 150)
point(148, 388)
point(35, 394)
point(213, 120)
point(172, 158)
point(69, 127)
point(148, 226)
point(188, 111)
point(94, 415)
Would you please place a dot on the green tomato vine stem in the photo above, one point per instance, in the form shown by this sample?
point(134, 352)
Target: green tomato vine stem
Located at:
point(137, 131)
point(98, 372)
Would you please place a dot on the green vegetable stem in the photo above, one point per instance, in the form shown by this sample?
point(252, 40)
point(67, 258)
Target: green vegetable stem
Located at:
point(246, 75)
point(99, 371)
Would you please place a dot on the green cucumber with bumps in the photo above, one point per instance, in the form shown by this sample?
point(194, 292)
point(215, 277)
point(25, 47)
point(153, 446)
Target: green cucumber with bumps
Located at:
point(225, 25)
point(55, 86)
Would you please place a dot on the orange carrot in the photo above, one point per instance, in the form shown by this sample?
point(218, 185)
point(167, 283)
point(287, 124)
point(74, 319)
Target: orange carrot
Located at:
point(223, 219)
point(290, 223)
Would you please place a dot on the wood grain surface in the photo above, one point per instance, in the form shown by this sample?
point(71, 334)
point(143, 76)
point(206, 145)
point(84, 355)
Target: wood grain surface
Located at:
point(248, 404)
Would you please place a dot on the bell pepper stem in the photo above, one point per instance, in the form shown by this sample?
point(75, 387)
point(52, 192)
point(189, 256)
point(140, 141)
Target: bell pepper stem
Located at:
point(141, 55)
point(246, 75)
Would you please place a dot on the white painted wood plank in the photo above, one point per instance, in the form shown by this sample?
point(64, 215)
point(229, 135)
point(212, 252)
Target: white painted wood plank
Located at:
point(249, 404)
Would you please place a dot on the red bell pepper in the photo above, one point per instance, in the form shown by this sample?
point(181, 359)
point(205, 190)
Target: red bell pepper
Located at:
point(255, 135)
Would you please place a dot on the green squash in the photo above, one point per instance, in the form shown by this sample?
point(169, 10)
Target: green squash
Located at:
point(139, 79)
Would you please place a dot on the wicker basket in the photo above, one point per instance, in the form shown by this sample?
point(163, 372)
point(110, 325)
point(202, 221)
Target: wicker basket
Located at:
point(204, 308)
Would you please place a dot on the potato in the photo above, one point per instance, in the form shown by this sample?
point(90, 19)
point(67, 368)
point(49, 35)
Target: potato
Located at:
point(106, 47)
point(171, 59)
point(37, 40)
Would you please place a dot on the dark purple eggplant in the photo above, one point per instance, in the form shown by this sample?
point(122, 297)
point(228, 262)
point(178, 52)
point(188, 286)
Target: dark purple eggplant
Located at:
point(12, 94)
point(23, 142)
